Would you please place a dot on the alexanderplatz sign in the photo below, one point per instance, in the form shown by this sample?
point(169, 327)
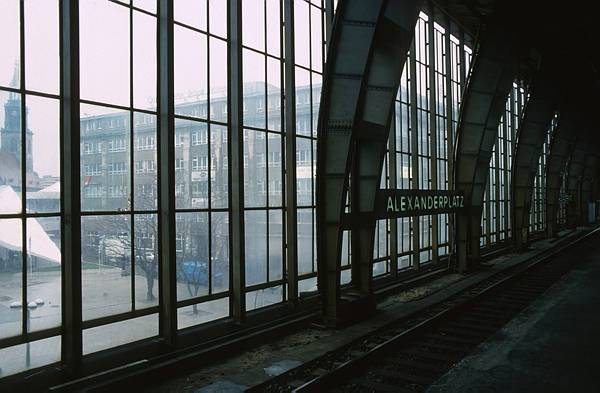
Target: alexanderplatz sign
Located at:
point(391, 203)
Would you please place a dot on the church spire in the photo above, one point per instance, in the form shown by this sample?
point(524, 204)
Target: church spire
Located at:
point(15, 82)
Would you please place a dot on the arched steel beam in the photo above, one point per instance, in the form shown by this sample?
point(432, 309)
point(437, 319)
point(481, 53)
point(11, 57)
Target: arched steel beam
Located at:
point(561, 148)
point(590, 174)
point(361, 78)
point(531, 134)
point(484, 101)
point(574, 181)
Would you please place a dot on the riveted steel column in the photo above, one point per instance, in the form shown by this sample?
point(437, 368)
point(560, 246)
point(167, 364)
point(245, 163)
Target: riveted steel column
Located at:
point(574, 180)
point(532, 133)
point(362, 74)
point(483, 104)
point(71, 343)
point(561, 147)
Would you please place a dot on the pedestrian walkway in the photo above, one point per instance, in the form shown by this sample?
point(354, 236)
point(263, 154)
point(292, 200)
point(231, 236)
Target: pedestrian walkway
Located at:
point(552, 346)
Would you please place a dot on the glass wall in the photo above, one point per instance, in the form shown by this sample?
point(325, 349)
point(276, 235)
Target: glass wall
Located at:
point(120, 160)
point(496, 216)
point(537, 212)
point(422, 139)
point(201, 161)
point(309, 57)
point(30, 209)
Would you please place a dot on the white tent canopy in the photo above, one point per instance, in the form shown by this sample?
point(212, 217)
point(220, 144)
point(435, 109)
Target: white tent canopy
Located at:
point(38, 242)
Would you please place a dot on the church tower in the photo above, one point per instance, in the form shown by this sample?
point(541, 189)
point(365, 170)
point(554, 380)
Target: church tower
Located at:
point(10, 134)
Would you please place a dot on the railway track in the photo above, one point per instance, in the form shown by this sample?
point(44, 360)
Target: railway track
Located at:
point(410, 354)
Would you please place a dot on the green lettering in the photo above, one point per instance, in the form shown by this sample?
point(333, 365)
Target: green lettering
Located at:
point(390, 205)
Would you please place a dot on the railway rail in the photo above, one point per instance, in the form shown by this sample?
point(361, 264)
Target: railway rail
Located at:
point(411, 354)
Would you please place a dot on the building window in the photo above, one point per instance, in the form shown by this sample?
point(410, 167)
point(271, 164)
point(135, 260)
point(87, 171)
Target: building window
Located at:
point(116, 168)
point(199, 163)
point(117, 145)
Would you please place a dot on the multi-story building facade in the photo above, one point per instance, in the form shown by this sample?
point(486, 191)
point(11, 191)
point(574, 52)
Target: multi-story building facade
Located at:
point(201, 171)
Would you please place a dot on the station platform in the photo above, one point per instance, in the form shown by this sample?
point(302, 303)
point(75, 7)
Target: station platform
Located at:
point(238, 373)
point(552, 346)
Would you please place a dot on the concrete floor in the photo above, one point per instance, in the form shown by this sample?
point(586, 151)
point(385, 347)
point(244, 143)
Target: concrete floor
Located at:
point(552, 346)
point(251, 367)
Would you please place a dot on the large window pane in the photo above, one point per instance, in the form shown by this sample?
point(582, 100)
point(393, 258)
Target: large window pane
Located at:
point(193, 255)
point(41, 45)
point(10, 142)
point(119, 333)
point(105, 157)
point(106, 265)
point(9, 30)
point(43, 155)
point(144, 61)
point(191, 77)
point(104, 52)
point(256, 246)
point(43, 273)
point(11, 267)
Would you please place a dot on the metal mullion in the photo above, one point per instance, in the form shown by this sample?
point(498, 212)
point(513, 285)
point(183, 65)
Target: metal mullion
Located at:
point(487, 204)
point(30, 336)
point(197, 30)
point(86, 213)
point(23, 167)
point(71, 342)
point(236, 167)
point(166, 174)
point(414, 143)
point(507, 179)
point(30, 215)
point(28, 92)
point(433, 133)
point(109, 319)
point(329, 13)
point(195, 119)
point(202, 299)
point(508, 202)
point(462, 63)
point(306, 276)
point(192, 210)
point(266, 139)
point(258, 129)
point(131, 162)
point(393, 184)
point(208, 148)
point(286, 212)
point(291, 199)
point(499, 173)
point(112, 106)
point(264, 285)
